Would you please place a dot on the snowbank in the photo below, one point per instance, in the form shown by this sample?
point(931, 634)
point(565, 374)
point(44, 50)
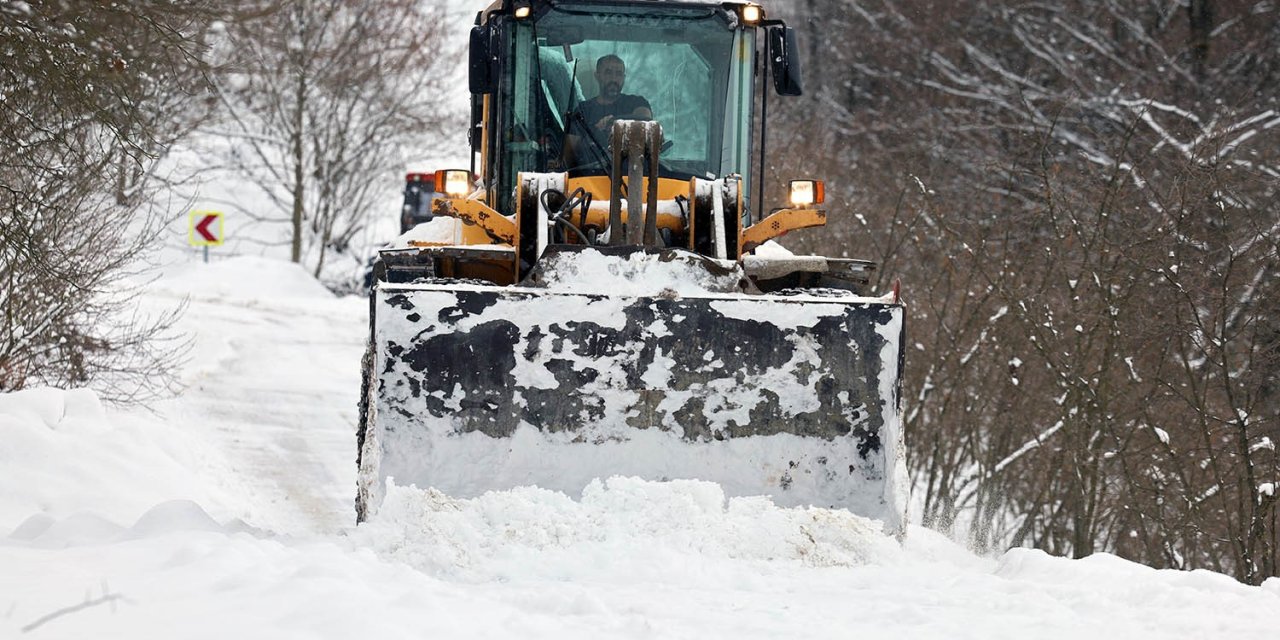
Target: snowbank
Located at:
point(87, 528)
point(632, 559)
point(651, 531)
point(62, 455)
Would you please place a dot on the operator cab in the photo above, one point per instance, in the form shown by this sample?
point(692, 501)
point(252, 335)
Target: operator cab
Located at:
point(693, 64)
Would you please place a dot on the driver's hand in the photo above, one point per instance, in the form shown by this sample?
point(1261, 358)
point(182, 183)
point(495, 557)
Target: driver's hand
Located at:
point(604, 123)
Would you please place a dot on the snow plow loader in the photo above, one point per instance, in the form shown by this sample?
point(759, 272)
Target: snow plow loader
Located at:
point(605, 298)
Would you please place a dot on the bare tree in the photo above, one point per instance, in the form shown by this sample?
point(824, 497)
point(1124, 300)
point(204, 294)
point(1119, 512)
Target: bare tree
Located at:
point(92, 97)
point(1080, 199)
point(325, 100)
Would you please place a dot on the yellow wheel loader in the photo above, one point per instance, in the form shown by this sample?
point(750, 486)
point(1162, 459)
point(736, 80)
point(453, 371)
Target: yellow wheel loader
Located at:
point(597, 294)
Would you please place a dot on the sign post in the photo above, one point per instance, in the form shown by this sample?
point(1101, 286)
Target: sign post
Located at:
point(205, 230)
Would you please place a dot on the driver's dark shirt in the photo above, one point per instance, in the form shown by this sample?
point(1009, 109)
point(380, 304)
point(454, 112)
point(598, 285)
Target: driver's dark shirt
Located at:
point(621, 109)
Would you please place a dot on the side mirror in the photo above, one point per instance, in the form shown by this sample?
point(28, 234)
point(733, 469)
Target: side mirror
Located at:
point(784, 61)
point(480, 66)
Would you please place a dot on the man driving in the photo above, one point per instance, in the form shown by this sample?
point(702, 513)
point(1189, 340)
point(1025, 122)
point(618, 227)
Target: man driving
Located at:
point(600, 112)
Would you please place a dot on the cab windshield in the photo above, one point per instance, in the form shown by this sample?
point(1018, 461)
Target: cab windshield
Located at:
point(691, 65)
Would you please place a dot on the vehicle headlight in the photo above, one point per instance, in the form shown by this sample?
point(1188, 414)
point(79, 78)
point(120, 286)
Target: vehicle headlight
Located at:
point(807, 193)
point(455, 183)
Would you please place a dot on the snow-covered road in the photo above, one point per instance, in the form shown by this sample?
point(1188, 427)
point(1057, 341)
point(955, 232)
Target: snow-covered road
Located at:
point(273, 379)
point(226, 512)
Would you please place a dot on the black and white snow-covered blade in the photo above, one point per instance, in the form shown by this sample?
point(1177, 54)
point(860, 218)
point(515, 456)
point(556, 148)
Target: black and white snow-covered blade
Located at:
point(475, 388)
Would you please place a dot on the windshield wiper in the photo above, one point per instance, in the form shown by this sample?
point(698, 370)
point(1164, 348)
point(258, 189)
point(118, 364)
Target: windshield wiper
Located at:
point(602, 155)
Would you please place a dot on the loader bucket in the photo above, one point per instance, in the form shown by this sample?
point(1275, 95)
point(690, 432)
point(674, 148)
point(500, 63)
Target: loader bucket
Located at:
point(472, 388)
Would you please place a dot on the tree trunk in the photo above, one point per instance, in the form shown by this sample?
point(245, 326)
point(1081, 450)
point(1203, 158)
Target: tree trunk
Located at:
point(1200, 22)
point(298, 172)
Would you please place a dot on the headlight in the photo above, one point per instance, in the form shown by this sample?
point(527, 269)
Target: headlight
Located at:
point(806, 193)
point(455, 183)
point(752, 13)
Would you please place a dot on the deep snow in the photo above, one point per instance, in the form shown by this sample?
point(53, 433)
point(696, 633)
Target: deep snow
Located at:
point(226, 512)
